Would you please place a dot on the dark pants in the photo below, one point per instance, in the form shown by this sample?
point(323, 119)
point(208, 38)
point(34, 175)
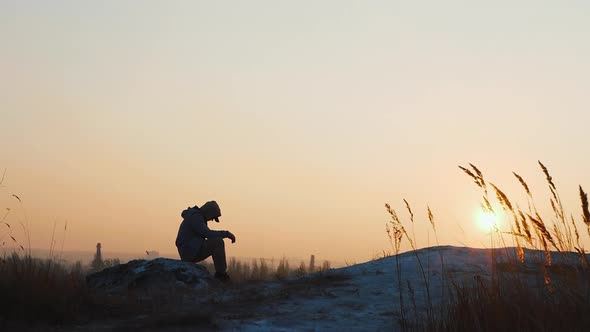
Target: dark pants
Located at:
point(216, 248)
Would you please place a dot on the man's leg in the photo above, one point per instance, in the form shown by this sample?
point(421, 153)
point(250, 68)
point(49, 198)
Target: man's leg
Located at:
point(216, 248)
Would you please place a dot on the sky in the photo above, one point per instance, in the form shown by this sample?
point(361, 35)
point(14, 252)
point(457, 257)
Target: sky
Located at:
point(300, 118)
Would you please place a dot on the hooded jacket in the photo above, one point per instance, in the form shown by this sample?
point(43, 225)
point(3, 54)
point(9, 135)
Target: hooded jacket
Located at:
point(192, 232)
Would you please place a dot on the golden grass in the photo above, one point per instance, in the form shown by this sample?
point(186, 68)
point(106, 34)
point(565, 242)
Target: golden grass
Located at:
point(507, 301)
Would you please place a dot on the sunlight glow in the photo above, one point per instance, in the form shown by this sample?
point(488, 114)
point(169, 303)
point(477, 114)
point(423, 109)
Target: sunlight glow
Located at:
point(487, 221)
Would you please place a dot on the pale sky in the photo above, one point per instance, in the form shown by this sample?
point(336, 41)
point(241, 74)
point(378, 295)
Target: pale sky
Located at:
point(300, 118)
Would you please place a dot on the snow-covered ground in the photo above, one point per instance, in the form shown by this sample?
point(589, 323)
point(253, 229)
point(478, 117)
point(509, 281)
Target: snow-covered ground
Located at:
point(362, 297)
point(366, 297)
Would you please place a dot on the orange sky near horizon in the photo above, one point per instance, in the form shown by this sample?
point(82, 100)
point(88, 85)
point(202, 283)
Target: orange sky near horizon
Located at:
point(301, 119)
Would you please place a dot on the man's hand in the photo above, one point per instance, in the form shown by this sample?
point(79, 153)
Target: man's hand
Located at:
point(231, 237)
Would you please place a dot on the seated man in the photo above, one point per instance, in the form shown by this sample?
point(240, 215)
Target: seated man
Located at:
point(195, 241)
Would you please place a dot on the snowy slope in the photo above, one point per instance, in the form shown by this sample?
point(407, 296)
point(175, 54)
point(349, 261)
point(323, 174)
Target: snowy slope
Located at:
point(363, 297)
point(366, 297)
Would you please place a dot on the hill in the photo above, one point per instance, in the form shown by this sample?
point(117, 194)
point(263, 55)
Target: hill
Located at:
point(362, 297)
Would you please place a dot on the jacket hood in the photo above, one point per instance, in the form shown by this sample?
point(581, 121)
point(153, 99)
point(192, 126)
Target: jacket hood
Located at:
point(189, 212)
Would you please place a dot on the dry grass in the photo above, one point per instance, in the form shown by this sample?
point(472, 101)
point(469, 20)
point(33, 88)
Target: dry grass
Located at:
point(266, 269)
point(522, 294)
point(42, 294)
point(35, 290)
point(510, 305)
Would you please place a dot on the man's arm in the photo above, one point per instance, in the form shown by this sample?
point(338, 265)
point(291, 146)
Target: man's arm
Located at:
point(200, 227)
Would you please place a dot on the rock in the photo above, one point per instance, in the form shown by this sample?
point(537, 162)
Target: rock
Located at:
point(160, 273)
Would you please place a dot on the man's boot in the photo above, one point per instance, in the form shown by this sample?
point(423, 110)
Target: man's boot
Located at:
point(222, 276)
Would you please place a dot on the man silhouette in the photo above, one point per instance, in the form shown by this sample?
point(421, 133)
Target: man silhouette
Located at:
point(195, 241)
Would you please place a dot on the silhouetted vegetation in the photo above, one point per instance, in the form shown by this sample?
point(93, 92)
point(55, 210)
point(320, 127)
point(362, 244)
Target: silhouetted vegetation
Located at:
point(35, 290)
point(265, 269)
point(551, 297)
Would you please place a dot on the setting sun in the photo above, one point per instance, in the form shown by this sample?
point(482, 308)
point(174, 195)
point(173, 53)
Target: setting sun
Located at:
point(487, 221)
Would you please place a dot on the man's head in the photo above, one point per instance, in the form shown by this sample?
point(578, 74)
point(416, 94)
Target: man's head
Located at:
point(211, 211)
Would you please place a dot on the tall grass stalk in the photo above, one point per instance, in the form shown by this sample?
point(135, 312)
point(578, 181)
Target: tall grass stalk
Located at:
point(554, 296)
point(509, 302)
point(396, 233)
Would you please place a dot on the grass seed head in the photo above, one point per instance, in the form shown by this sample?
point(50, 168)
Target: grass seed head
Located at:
point(502, 198)
point(523, 183)
point(546, 172)
point(585, 212)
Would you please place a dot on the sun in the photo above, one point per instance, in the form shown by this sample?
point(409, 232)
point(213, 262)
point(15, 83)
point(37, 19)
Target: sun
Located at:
point(487, 221)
